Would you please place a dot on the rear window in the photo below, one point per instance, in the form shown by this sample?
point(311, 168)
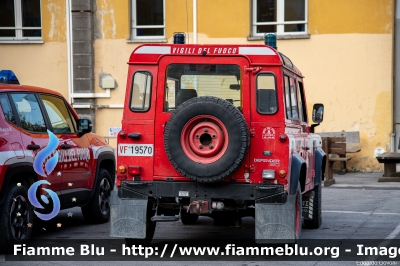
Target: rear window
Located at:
point(141, 91)
point(186, 81)
point(266, 94)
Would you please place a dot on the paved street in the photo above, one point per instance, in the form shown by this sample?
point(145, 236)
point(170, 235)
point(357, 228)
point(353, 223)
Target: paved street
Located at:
point(356, 207)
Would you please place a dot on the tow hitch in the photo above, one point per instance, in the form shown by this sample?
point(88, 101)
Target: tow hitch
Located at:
point(198, 206)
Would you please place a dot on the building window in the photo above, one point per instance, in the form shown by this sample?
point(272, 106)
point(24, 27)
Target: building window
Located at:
point(285, 17)
point(20, 20)
point(148, 19)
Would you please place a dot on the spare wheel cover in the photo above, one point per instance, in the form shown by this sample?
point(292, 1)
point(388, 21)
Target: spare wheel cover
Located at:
point(206, 139)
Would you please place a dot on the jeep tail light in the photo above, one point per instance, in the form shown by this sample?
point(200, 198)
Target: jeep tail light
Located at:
point(122, 134)
point(121, 169)
point(134, 170)
point(268, 174)
point(282, 173)
point(282, 138)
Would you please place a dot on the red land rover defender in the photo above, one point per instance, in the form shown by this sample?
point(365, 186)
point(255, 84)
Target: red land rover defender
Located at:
point(221, 131)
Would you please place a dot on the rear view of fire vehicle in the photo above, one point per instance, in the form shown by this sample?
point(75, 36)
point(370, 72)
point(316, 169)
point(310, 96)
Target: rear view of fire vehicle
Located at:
point(38, 126)
point(220, 131)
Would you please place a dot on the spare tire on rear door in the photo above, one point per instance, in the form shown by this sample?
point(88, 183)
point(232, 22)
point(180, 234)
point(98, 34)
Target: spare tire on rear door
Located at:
point(206, 139)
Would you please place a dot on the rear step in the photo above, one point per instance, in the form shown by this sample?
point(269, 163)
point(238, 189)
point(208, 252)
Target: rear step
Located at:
point(162, 218)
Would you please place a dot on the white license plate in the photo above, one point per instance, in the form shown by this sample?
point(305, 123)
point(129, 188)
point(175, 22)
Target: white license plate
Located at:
point(135, 149)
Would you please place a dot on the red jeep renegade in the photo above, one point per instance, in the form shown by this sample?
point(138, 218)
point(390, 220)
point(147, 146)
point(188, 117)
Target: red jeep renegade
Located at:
point(82, 173)
point(221, 131)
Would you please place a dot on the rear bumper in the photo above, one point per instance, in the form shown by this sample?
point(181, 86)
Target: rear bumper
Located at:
point(260, 193)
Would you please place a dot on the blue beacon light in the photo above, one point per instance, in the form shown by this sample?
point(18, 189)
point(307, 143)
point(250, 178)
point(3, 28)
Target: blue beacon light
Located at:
point(8, 77)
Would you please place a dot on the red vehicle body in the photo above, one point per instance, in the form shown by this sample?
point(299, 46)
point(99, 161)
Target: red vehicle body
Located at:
point(216, 130)
point(83, 175)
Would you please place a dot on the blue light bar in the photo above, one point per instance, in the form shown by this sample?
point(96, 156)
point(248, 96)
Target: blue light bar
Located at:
point(270, 39)
point(8, 77)
point(179, 38)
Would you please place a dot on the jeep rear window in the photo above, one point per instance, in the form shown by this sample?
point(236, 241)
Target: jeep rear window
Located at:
point(186, 81)
point(141, 91)
point(266, 94)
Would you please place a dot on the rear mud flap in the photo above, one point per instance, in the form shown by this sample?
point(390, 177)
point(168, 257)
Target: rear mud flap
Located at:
point(128, 217)
point(275, 223)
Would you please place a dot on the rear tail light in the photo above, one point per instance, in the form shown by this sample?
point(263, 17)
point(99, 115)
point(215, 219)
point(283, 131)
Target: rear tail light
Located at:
point(282, 173)
point(122, 134)
point(134, 170)
point(283, 138)
point(121, 169)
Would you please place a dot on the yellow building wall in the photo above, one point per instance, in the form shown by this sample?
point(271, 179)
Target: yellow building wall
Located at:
point(43, 65)
point(347, 61)
point(354, 16)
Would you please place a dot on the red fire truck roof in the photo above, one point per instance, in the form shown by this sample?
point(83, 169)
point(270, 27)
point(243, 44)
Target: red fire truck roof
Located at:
point(256, 54)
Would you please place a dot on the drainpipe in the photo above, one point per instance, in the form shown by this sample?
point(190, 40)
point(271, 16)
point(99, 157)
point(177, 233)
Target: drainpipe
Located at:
point(392, 141)
point(71, 93)
point(194, 21)
point(396, 87)
point(69, 51)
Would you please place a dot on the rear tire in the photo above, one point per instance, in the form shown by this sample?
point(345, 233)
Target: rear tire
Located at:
point(98, 208)
point(316, 221)
point(298, 215)
point(16, 213)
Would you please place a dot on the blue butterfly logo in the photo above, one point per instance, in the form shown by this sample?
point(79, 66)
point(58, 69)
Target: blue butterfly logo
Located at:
point(44, 163)
point(32, 198)
point(46, 159)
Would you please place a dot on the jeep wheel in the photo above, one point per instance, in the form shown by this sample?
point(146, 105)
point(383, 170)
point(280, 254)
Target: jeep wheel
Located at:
point(98, 209)
point(189, 218)
point(316, 221)
point(206, 139)
point(16, 218)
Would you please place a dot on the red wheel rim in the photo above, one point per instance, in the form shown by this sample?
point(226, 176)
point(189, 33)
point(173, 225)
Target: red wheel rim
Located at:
point(204, 139)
